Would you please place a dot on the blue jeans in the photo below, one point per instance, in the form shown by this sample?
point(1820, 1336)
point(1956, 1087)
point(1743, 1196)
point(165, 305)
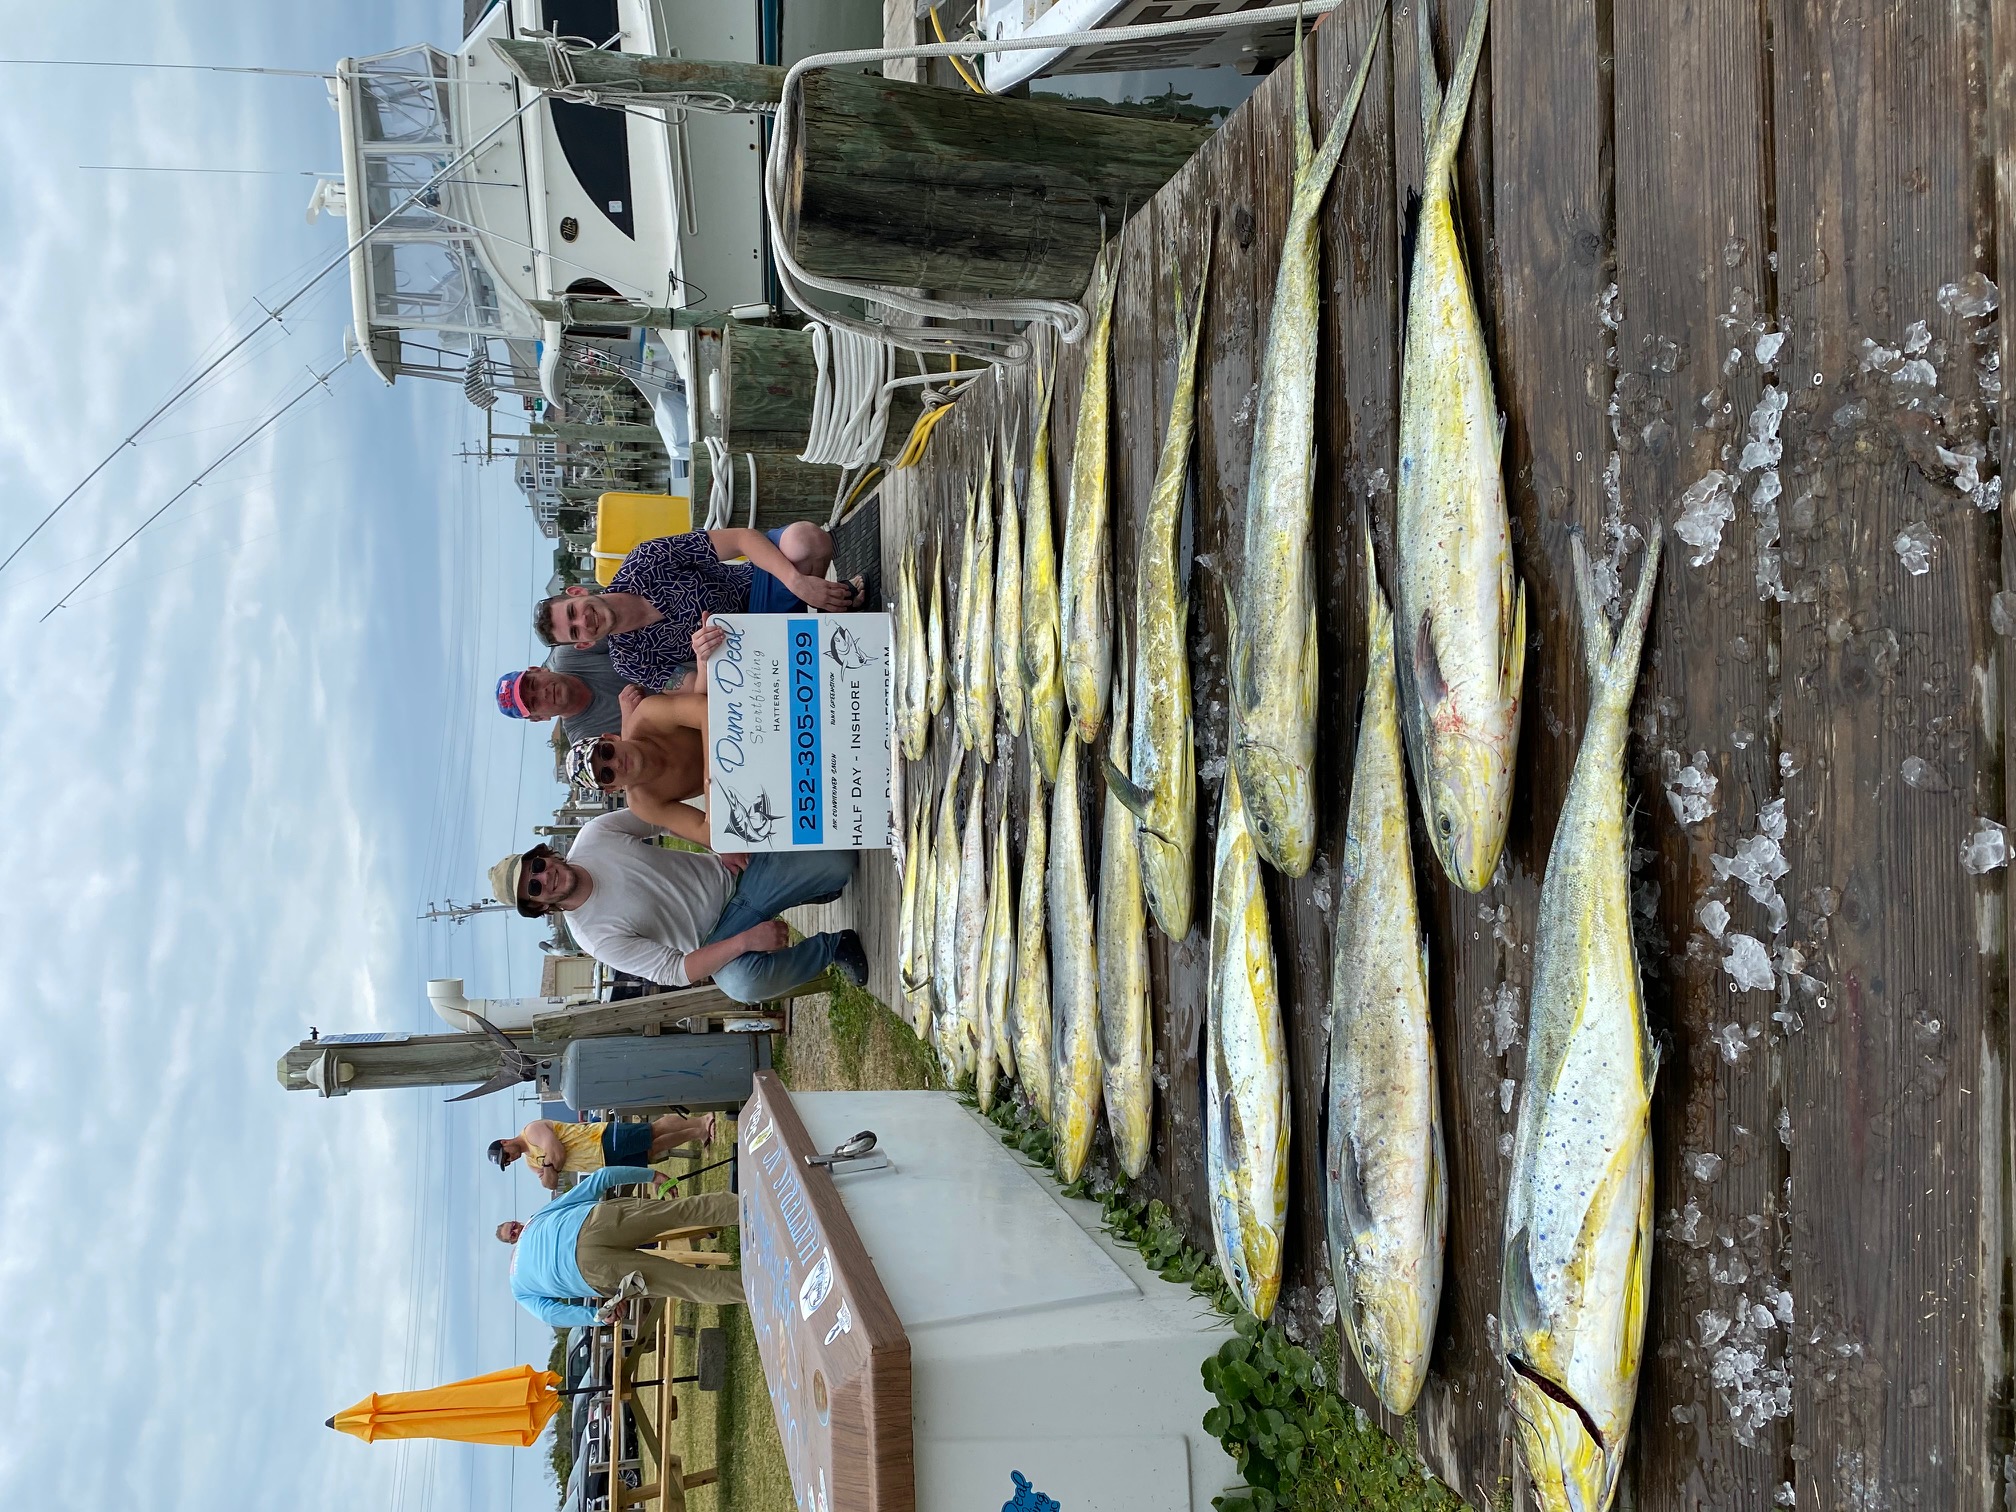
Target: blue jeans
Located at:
point(772, 882)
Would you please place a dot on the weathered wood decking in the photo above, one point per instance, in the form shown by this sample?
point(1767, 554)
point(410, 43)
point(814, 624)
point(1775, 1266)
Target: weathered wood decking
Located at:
point(1733, 169)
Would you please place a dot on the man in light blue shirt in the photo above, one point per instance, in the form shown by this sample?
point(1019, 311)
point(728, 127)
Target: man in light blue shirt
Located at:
point(576, 1249)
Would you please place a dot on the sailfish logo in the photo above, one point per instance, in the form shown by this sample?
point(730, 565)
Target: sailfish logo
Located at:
point(752, 821)
point(847, 651)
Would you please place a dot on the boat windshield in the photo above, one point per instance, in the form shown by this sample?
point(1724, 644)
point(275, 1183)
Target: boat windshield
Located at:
point(438, 284)
point(402, 99)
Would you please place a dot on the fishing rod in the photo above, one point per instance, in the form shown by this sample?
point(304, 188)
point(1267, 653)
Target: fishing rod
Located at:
point(319, 380)
point(273, 315)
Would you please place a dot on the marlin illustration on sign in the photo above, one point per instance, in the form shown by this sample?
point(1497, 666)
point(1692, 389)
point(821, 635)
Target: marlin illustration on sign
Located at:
point(847, 651)
point(752, 821)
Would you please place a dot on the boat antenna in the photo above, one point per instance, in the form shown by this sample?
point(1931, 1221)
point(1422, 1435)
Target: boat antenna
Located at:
point(316, 380)
point(273, 315)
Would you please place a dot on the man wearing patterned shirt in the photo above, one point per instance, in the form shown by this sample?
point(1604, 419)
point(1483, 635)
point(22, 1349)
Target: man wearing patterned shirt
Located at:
point(661, 596)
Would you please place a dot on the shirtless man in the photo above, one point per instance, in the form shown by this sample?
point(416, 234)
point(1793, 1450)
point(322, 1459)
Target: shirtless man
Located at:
point(657, 763)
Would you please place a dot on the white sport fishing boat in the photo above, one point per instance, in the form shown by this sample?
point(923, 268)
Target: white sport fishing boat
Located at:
point(568, 199)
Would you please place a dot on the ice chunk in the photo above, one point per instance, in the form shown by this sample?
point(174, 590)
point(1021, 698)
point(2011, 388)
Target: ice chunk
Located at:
point(1989, 495)
point(1965, 467)
point(1714, 916)
point(1713, 1326)
point(1758, 864)
point(1687, 1226)
point(1505, 1146)
point(1730, 1040)
point(1785, 1496)
point(1690, 789)
point(1873, 356)
point(1970, 298)
point(1916, 372)
point(1771, 821)
point(1915, 545)
point(1785, 1135)
point(2002, 613)
point(1986, 849)
point(1507, 1090)
point(1706, 506)
point(1924, 776)
point(1767, 348)
point(1506, 1019)
point(1749, 966)
point(1917, 337)
point(1610, 308)
point(1703, 1165)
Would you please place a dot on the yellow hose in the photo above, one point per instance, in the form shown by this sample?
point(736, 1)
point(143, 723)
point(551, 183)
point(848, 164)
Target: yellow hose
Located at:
point(971, 83)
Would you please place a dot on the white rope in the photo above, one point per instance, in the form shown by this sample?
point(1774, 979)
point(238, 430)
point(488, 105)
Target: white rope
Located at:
point(1067, 316)
point(721, 485)
point(850, 401)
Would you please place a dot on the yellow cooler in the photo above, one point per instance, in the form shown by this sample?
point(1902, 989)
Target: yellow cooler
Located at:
point(624, 519)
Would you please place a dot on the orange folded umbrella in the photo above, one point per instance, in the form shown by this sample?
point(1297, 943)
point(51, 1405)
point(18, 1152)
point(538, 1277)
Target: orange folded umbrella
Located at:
point(504, 1407)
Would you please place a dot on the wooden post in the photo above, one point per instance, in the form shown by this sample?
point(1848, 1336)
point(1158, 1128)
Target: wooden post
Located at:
point(635, 1014)
point(416, 1060)
point(915, 185)
point(749, 85)
point(786, 489)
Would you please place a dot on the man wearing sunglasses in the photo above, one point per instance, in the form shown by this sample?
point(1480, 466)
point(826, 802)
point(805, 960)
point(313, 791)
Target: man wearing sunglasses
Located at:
point(679, 918)
point(656, 763)
point(662, 594)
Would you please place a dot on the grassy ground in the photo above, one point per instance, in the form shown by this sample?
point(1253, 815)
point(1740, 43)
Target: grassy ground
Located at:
point(841, 1041)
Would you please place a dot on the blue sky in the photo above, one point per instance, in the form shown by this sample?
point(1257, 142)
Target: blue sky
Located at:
point(236, 767)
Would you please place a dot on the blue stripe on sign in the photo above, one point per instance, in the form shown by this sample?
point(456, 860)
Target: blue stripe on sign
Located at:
point(808, 809)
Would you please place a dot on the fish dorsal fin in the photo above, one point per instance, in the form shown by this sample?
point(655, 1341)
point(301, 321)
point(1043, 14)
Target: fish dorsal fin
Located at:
point(1512, 660)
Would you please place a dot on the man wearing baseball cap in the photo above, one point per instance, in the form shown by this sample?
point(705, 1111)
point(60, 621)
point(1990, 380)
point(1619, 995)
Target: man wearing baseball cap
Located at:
point(578, 687)
point(680, 918)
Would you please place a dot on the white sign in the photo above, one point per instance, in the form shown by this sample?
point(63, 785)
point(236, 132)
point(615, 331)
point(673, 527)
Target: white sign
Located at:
point(798, 732)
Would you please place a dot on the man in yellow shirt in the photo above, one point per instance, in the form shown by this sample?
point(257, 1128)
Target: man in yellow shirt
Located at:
point(550, 1147)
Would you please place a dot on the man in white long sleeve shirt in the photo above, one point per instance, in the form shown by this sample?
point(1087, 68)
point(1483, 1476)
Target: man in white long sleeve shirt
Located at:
point(680, 918)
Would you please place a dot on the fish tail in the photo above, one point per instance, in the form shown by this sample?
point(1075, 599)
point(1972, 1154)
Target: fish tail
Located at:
point(1441, 150)
point(1305, 140)
point(1313, 177)
point(1623, 671)
point(1596, 640)
point(1378, 617)
point(1431, 81)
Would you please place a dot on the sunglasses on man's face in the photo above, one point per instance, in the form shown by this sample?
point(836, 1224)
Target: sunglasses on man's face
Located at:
point(601, 762)
point(533, 870)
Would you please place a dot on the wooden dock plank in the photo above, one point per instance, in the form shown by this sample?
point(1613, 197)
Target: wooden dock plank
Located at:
point(1892, 1194)
point(1785, 128)
point(1692, 248)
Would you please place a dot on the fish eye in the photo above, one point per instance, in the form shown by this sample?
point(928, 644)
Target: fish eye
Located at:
point(1447, 826)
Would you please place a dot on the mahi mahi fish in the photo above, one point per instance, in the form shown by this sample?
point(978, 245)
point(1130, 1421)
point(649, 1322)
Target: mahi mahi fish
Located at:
point(1008, 598)
point(1031, 1012)
point(1245, 1069)
point(934, 639)
point(1578, 1205)
point(1273, 659)
point(1386, 1203)
point(984, 1067)
point(1000, 1050)
point(1074, 976)
point(913, 708)
point(912, 927)
point(1042, 656)
point(1161, 785)
point(945, 921)
point(1086, 606)
point(1126, 1029)
point(962, 615)
point(1461, 633)
point(972, 925)
point(980, 624)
